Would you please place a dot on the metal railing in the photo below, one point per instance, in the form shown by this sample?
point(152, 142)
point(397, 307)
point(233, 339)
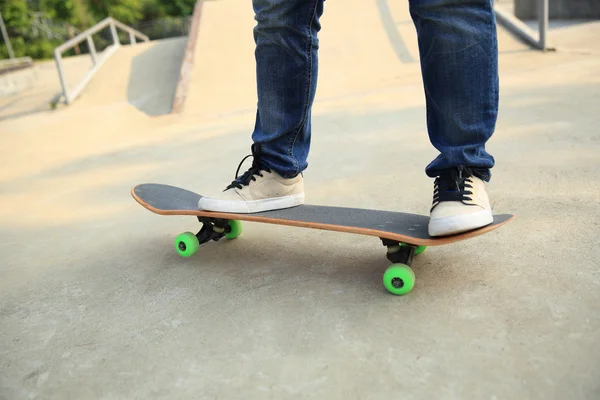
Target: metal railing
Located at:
point(536, 39)
point(97, 59)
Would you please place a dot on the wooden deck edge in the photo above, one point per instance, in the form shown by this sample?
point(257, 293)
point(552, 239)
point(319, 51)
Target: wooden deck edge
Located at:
point(328, 227)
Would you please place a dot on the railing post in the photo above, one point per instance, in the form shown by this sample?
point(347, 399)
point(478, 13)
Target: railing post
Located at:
point(131, 37)
point(92, 48)
point(11, 54)
point(543, 17)
point(113, 30)
point(61, 75)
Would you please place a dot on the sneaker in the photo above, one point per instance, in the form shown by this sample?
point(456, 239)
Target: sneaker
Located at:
point(460, 204)
point(259, 189)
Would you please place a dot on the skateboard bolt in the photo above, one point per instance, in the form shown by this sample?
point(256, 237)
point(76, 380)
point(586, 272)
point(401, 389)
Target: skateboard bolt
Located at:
point(182, 246)
point(397, 283)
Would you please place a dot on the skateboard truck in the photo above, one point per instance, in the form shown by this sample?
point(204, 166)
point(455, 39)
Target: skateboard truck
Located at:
point(399, 253)
point(212, 229)
point(187, 243)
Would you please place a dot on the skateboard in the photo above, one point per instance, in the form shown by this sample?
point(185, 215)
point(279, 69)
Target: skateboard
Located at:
point(404, 235)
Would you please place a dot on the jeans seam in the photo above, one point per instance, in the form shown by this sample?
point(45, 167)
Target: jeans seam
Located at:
point(308, 72)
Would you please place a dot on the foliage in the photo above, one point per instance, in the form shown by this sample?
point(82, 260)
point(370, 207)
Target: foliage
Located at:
point(81, 14)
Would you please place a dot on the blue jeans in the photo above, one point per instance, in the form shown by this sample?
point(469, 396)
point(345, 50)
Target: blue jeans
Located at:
point(459, 64)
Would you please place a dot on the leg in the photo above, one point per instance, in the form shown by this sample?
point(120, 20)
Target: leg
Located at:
point(286, 72)
point(459, 64)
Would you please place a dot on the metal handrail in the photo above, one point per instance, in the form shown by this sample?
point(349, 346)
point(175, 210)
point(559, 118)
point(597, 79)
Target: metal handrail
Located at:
point(71, 95)
point(527, 34)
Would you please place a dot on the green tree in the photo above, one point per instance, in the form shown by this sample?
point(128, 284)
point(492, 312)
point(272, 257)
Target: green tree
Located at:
point(82, 14)
point(179, 8)
point(16, 14)
point(155, 9)
point(17, 20)
point(73, 12)
point(126, 11)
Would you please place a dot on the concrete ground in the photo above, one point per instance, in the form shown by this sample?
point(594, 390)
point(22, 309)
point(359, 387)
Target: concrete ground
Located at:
point(96, 304)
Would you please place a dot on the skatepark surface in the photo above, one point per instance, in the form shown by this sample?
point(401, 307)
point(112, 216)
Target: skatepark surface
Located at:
point(96, 304)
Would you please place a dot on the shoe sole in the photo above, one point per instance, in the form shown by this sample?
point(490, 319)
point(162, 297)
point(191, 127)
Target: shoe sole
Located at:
point(249, 207)
point(460, 223)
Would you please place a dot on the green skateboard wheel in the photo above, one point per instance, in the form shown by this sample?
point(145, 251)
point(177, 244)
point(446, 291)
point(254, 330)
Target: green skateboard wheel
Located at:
point(187, 244)
point(235, 229)
point(399, 279)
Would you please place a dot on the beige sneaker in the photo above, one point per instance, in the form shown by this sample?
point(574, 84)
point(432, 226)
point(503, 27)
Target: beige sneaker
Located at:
point(460, 204)
point(259, 189)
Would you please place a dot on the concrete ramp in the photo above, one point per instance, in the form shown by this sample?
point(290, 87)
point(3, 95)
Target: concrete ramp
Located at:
point(351, 60)
point(144, 76)
point(363, 47)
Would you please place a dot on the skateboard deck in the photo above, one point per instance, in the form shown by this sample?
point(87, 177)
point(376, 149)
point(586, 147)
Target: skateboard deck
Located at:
point(404, 234)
